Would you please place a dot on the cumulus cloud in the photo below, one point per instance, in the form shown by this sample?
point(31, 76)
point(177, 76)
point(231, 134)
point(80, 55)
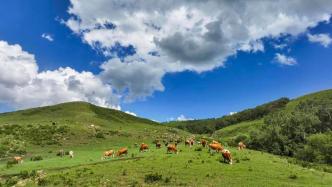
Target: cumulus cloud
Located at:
point(187, 35)
point(22, 86)
point(47, 37)
point(285, 60)
point(323, 39)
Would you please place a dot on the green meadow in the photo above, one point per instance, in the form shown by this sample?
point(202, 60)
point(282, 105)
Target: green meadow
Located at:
point(89, 130)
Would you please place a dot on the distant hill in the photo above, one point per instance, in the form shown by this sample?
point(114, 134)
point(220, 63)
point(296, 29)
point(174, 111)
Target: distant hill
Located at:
point(77, 123)
point(208, 126)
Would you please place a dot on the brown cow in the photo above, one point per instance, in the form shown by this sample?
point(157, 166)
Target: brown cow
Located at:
point(18, 159)
point(143, 147)
point(122, 151)
point(172, 148)
point(189, 142)
point(215, 147)
point(203, 142)
point(226, 154)
point(241, 146)
point(107, 154)
point(158, 145)
point(215, 142)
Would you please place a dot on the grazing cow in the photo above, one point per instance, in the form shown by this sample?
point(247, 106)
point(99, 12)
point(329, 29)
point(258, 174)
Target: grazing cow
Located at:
point(241, 146)
point(189, 142)
point(18, 159)
point(122, 151)
point(203, 142)
point(143, 147)
point(192, 141)
point(158, 145)
point(172, 148)
point(215, 142)
point(107, 154)
point(226, 154)
point(71, 154)
point(215, 147)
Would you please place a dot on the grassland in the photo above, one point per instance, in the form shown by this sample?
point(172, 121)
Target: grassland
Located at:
point(188, 168)
point(191, 167)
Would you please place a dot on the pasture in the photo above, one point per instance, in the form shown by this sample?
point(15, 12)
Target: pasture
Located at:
point(190, 167)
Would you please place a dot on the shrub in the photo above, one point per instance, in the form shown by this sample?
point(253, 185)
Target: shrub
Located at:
point(36, 158)
point(11, 181)
point(10, 163)
point(168, 179)
point(293, 176)
point(24, 174)
point(151, 178)
point(100, 135)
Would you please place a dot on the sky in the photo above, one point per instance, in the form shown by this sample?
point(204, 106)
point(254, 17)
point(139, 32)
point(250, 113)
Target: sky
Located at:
point(163, 60)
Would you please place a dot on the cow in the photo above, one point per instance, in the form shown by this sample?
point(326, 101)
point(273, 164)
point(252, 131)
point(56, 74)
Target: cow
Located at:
point(172, 148)
point(122, 151)
point(143, 147)
point(189, 142)
point(216, 147)
point(203, 142)
point(241, 146)
point(158, 145)
point(226, 154)
point(71, 154)
point(109, 153)
point(215, 142)
point(18, 159)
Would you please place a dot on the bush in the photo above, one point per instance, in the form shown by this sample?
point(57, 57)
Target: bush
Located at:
point(198, 149)
point(11, 181)
point(36, 158)
point(151, 178)
point(10, 163)
point(293, 176)
point(100, 135)
point(24, 174)
point(317, 149)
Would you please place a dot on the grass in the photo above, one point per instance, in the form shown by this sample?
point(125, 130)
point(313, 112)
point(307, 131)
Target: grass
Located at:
point(229, 133)
point(188, 168)
point(191, 167)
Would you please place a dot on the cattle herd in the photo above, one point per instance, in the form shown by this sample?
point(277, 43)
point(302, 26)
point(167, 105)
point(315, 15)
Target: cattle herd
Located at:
point(214, 146)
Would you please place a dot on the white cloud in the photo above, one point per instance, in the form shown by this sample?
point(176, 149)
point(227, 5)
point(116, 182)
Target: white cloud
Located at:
point(183, 118)
point(187, 35)
point(232, 113)
point(284, 60)
point(47, 37)
point(131, 113)
point(323, 39)
point(22, 86)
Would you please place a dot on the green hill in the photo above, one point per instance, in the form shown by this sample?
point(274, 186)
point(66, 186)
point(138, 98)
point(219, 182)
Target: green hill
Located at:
point(208, 126)
point(38, 134)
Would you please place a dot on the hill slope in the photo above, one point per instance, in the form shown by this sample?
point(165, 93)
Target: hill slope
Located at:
point(77, 123)
point(204, 126)
point(69, 126)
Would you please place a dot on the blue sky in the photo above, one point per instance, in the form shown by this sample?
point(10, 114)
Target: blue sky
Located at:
point(175, 83)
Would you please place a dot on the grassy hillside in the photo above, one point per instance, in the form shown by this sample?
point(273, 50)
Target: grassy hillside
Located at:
point(82, 122)
point(205, 126)
point(69, 127)
point(233, 133)
point(156, 168)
